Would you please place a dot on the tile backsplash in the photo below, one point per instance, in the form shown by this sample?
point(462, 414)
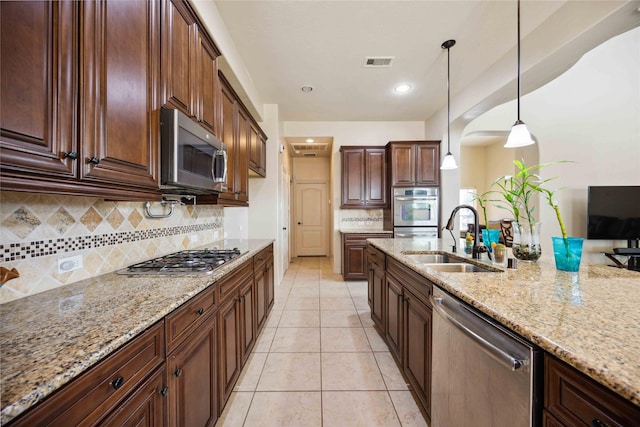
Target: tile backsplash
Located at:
point(37, 230)
point(361, 218)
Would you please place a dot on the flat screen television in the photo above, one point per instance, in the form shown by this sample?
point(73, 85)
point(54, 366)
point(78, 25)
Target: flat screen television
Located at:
point(614, 213)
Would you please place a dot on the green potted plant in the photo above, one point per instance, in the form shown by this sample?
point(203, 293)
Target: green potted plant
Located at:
point(517, 193)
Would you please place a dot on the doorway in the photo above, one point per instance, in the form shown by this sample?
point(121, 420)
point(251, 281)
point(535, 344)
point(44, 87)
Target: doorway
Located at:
point(311, 214)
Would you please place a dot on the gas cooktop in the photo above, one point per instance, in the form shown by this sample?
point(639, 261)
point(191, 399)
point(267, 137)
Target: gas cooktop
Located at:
point(184, 262)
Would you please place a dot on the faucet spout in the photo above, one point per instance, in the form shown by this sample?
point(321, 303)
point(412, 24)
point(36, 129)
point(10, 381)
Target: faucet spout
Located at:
point(476, 222)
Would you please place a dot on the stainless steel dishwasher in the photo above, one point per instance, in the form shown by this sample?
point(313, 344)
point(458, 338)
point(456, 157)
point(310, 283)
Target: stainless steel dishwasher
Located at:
point(483, 374)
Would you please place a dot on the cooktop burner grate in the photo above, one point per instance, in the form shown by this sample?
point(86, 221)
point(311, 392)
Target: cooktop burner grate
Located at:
point(189, 261)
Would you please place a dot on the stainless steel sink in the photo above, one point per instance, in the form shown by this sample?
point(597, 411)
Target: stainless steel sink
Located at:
point(458, 267)
point(431, 258)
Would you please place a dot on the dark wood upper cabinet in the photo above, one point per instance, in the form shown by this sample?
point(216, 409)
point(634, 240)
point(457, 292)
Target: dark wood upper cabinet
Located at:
point(38, 47)
point(364, 177)
point(179, 39)
point(257, 151)
point(414, 163)
point(79, 98)
point(119, 127)
point(207, 97)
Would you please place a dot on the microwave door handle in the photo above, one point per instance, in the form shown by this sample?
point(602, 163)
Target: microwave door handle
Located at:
point(226, 160)
point(213, 167)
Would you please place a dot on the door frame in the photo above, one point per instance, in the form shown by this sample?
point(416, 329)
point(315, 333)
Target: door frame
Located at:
point(294, 217)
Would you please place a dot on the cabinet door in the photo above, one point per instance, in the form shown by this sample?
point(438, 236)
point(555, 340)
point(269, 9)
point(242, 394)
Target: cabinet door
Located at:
point(417, 347)
point(227, 134)
point(229, 363)
point(261, 295)
point(192, 372)
point(146, 407)
point(403, 164)
point(270, 279)
point(257, 151)
point(375, 178)
point(179, 35)
point(377, 299)
point(38, 85)
point(428, 163)
point(247, 322)
point(241, 182)
point(353, 189)
point(206, 88)
point(393, 316)
point(355, 264)
point(119, 127)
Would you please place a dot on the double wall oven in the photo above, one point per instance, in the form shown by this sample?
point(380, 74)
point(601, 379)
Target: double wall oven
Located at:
point(415, 211)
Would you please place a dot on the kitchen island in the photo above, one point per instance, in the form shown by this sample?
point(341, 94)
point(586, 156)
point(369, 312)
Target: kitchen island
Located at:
point(587, 319)
point(51, 338)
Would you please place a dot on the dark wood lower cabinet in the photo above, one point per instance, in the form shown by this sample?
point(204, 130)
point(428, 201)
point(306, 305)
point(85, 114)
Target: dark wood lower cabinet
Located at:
point(229, 320)
point(145, 407)
point(178, 373)
point(393, 316)
point(416, 348)
point(355, 262)
point(193, 378)
point(573, 399)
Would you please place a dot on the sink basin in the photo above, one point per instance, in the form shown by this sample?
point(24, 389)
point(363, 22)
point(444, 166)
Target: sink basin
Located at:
point(432, 258)
point(458, 267)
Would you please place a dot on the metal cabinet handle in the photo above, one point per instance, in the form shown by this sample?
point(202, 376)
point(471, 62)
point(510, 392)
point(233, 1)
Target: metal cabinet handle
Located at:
point(597, 423)
point(164, 390)
point(71, 155)
point(94, 160)
point(117, 383)
point(200, 311)
point(177, 372)
point(299, 223)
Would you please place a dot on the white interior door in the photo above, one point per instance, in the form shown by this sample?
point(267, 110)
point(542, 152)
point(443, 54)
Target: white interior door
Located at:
point(285, 188)
point(311, 214)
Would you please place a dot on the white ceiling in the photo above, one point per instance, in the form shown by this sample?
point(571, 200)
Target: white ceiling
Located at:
point(288, 44)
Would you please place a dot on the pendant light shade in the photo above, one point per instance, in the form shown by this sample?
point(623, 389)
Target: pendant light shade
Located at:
point(448, 162)
point(519, 136)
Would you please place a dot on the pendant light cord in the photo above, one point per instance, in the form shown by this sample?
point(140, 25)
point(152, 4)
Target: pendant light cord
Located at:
point(518, 60)
point(448, 102)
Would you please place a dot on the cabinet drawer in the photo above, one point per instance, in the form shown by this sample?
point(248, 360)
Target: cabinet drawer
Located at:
point(376, 257)
point(261, 257)
point(419, 286)
point(576, 400)
point(88, 399)
point(181, 322)
point(230, 283)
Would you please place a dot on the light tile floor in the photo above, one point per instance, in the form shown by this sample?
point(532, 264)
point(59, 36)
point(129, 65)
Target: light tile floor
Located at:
point(319, 361)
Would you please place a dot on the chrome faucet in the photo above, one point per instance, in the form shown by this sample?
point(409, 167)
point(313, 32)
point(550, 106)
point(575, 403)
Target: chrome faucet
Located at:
point(477, 249)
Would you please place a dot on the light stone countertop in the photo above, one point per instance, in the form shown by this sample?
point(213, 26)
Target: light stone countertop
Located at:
point(50, 338)
point(589, 319)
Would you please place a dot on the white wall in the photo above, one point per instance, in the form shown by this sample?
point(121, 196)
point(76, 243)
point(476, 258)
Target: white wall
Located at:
point(589, 115)
point(351, 133)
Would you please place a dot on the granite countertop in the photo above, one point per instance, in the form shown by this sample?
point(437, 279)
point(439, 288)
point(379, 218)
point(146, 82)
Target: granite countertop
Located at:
point(50, 338)
point(589, 319)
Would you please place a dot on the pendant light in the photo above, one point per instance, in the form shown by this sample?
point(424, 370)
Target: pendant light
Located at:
point(448, 162)
point(519, 136)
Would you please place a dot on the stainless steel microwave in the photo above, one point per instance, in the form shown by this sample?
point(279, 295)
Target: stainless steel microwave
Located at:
point(192, 159)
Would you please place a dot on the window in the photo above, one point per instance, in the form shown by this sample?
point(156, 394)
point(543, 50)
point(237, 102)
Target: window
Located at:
point(467, 197)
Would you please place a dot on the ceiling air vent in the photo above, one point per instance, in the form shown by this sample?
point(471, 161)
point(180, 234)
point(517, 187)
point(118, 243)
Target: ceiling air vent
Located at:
point(378, 61)
point(309, 154)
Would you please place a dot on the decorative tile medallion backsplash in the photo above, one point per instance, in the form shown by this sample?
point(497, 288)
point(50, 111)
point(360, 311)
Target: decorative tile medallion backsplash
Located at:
point(38, 230)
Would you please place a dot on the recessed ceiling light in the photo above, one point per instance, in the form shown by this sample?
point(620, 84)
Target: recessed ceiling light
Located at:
point(402, 88)
point(306, 88)
point(310, 140)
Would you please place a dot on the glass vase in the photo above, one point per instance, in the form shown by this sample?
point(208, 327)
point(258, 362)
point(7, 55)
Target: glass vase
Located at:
point(526, 241)
point(567, 252)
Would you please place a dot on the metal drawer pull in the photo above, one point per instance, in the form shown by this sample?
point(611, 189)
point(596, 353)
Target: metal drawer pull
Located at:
point(200, 311)
point(597, 423)
point(117, 383)
point(177, 372)
point(71, 155)
point(164, 390)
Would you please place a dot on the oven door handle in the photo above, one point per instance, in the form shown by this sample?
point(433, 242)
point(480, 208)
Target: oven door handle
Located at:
point(496, 353)
point(409, 199)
